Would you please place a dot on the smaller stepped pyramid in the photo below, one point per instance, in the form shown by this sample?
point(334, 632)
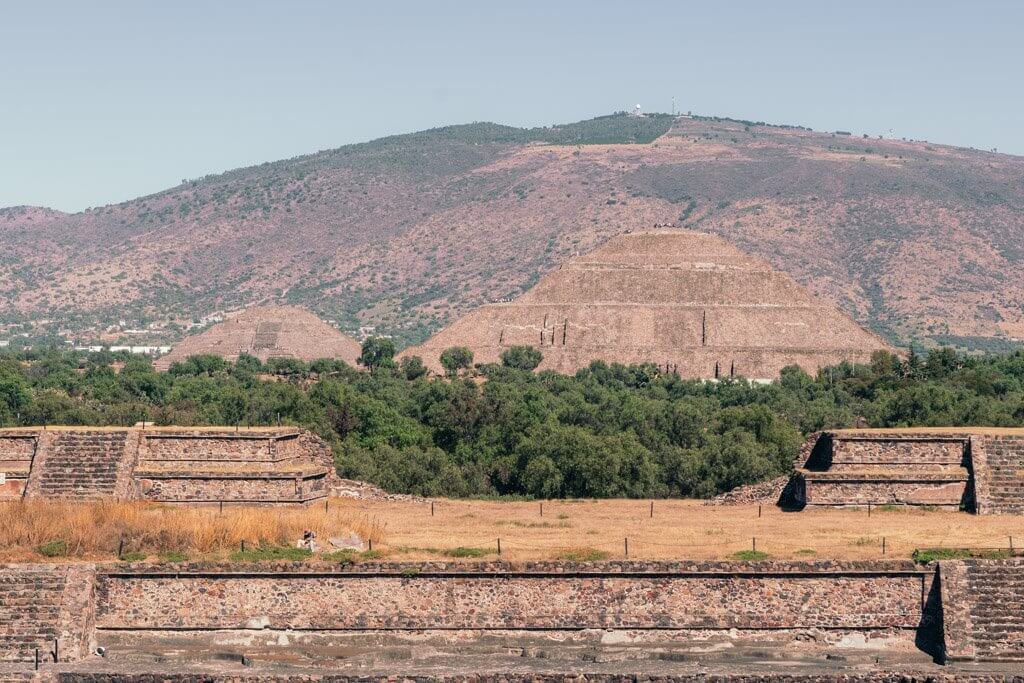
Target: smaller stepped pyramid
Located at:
point(689, 302)
point(268, 332)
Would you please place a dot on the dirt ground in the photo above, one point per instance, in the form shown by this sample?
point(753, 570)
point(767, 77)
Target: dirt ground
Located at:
point(678, 529)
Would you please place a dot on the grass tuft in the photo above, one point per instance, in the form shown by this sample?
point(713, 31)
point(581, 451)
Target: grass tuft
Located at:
point(582, 555)
point(751, 555)
point(271, 553)
point(926, 555)
point(462, 551)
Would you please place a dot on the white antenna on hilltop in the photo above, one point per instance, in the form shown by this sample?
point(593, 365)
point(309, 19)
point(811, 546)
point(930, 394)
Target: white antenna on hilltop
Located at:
point(673, 106)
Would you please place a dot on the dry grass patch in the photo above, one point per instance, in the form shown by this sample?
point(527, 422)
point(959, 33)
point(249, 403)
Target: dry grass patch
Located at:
point(679, 529)
point(469, 530)
point(31, 529)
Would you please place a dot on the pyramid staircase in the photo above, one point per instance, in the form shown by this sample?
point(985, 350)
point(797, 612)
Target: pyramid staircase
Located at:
point(996, 595)
point(81, 464)
point(29, 612)
point(1005, 458)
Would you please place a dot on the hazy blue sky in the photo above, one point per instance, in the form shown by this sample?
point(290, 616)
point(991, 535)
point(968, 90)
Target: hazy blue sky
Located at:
point(104, 101)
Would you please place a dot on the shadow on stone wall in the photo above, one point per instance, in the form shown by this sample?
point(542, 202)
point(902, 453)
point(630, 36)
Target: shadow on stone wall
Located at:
point(929, 637)
point(820, 458)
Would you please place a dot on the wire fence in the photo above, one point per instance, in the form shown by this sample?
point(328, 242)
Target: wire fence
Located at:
point(545, 541)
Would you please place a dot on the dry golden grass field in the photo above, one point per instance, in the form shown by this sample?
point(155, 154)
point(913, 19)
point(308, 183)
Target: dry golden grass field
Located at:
point(469, 530)
point(678, 529)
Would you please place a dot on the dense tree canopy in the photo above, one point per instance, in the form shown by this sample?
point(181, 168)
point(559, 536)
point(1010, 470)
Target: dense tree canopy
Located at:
point(607, 431)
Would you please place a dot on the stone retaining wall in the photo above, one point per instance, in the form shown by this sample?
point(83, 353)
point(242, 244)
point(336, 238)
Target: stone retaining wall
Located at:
point(578, 676)
point(539, 596)
point(935, 606)
point(16, 453)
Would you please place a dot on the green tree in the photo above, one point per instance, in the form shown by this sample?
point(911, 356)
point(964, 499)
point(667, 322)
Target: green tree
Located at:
point(412, 367)
point(377, 352)
point(456, 358)
point(521, 358)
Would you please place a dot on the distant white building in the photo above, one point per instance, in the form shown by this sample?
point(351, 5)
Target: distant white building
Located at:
point(143, 350)
point(637, 112)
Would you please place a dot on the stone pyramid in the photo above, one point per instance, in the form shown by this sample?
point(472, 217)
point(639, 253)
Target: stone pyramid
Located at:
point(689, 302)
point(268, 332)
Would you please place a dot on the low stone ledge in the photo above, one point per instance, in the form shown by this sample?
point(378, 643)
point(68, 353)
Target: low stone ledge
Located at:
point(885, 476)
point(303, 473)
point(544, 568)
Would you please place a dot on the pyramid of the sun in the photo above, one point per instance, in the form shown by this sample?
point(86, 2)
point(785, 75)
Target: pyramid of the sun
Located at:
point(268, 332)
point(687, 301)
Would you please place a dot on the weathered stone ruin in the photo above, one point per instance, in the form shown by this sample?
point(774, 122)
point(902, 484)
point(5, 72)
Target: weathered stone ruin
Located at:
point(268, 332)
point(688, 302)
point(979, 469)
point(263, 466)
point(686, 621)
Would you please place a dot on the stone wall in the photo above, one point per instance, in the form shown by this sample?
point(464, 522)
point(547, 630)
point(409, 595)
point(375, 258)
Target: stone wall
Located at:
point(540, 596)
point(894, 451)
point(16, 454)
point(575, 676)
point(251, 487)
point(177, 447)
point(968, 609)
point(877, 489)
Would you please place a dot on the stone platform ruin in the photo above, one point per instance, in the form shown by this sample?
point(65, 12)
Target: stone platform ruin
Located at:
point(261, 466)
point(688, 302)
point(978, 469)
point(701, 621)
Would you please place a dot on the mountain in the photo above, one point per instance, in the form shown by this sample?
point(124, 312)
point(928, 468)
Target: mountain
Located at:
point(404, 234)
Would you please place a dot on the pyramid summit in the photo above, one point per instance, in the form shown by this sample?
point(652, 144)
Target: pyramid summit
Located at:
point(686, 301)
point(268, 332)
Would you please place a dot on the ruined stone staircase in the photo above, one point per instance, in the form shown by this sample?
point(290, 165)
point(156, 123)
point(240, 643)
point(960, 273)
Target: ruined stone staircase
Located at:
point(1006, 477)
point(996, 594)
point(81, 464)
point(29, 612)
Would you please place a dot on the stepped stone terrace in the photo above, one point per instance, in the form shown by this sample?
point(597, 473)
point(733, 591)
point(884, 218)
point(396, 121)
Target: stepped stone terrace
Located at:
point(166, 464)
point(975, 468)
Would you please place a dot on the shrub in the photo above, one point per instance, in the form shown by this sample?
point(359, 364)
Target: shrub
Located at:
point(55, 548)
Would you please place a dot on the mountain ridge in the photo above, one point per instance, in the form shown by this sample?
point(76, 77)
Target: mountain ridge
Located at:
point(404, 233)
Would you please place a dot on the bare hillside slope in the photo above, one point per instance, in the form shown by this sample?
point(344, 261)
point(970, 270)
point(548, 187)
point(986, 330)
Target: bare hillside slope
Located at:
point(406, 233)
